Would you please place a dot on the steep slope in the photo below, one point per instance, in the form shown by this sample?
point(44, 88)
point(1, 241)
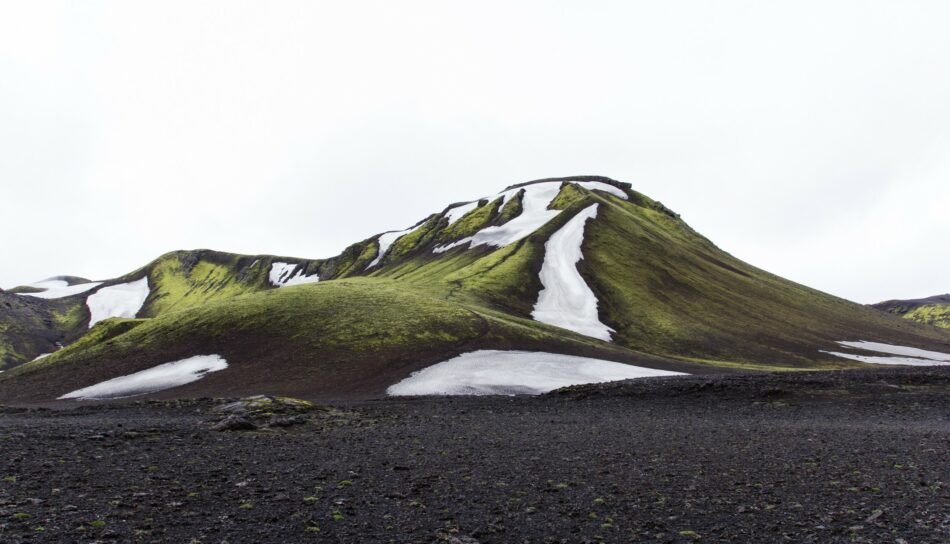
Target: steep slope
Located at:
point(581, 266)
point(662, 287)
point(929, 311)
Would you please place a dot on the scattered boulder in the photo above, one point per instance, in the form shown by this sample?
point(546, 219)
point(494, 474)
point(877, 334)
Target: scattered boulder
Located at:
point(234, 423)
point(264, 411)
point(286, 421)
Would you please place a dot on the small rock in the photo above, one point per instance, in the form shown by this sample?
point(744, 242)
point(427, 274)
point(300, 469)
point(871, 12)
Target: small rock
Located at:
point(234, 423)
point(286, 421)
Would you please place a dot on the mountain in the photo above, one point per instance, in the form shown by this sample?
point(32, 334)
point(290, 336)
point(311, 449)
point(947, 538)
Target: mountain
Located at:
point(583, 267)
point(933, 310)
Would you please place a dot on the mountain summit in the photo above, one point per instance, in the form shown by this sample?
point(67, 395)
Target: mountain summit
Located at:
point(581, 267)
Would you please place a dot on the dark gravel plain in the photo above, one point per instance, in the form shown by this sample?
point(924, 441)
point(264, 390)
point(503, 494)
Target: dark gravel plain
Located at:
point(855, 456)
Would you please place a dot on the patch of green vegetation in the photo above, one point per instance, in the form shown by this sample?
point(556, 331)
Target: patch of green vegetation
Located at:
point(24, 289)
point(472, 222)
point(72, 317)
point(937, 315)
point(825, 365)
point(512, 209)
point(353, 260)
point(569, 195)
point(405, 244)
point(177, 284)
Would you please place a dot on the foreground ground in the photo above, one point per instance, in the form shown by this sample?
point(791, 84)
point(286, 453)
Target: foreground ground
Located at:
point(857, 456)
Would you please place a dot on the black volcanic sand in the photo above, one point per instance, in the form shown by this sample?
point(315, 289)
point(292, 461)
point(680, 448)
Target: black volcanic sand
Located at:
point(855, 456)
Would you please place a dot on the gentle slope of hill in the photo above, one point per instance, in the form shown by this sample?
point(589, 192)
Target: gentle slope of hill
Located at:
point(582, 266)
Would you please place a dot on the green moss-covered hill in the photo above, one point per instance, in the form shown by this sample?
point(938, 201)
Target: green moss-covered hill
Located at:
point(673, 298)
point(930, 311)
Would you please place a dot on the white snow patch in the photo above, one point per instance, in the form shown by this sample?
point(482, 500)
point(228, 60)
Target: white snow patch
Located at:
point(458, 212)
point(905, 355)
point(280, 272)
point(122, 300)
point(282, 275)
point(386, 241)
point(897, 350)
point(888, 360)
point(534, 215)
point(40, 356)
point(154, 379)
point(490, 372)
point(59, 288)
point(566, 301)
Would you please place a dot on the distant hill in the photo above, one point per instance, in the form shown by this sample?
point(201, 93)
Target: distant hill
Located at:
point(933, 310)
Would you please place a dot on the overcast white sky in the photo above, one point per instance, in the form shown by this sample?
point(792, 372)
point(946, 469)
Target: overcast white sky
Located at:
point(811, 139)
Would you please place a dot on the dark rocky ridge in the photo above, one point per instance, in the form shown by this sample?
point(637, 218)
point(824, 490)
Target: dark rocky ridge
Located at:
point(904, 306)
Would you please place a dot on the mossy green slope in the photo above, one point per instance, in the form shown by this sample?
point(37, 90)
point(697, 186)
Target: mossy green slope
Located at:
point(343, 338)
point(937, 315)
point(666, 290)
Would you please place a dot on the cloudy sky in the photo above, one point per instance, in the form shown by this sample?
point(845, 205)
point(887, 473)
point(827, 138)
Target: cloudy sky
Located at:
point(811, 139)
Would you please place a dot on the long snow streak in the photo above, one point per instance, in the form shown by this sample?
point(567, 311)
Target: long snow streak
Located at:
point(386, 241)
point(566, 301)
point(896, 355)
point(490, 372)
point(154, 379)
point(122, 300)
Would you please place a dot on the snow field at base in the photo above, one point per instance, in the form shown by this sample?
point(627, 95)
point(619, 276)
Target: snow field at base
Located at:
point(896, 355)
point(282, 275)
point(566, 301)
point(158, 378)
point(490, 372)
point(122, 300)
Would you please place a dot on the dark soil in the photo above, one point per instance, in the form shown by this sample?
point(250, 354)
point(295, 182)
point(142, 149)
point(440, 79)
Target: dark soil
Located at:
point(856, 456)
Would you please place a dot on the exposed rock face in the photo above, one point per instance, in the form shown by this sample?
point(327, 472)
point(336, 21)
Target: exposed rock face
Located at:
point(29, 329)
